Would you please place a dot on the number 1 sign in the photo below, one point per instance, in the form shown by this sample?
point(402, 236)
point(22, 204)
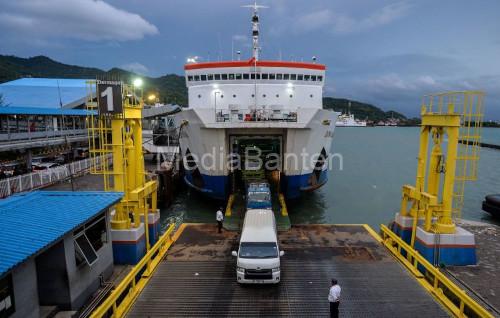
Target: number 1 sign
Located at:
point(109, 95)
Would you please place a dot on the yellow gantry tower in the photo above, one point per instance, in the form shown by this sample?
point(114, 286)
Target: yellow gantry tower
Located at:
point(115, 140)
point(448, 155)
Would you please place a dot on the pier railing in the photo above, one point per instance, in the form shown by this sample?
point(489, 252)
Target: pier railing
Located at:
point(441, 287)
point(118, 303)
point(42, 178)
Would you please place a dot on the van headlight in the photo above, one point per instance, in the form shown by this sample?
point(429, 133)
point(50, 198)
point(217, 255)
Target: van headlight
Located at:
point(240, 269)
point(276, 269)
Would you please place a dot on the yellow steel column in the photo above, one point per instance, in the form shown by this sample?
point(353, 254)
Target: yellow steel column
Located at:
point(120, 219)
point(117, 140)
point(444, 223)
point(423, 151)
point(140, 170)
point(131, 157)
point(422, 165)
point(436, 155)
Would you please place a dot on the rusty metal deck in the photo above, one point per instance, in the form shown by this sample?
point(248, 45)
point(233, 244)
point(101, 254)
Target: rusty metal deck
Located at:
point(197, 278)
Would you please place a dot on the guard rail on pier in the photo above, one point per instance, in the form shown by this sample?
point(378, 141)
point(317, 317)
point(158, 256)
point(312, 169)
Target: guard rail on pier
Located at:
point(42, 178)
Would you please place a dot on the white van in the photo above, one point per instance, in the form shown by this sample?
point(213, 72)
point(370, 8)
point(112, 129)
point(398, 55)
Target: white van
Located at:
point(258, 254)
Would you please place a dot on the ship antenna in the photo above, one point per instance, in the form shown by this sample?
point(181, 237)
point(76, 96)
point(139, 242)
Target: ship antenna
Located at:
point(255, 28)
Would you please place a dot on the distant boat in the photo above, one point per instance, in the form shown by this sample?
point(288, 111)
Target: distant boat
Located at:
point(348, 120)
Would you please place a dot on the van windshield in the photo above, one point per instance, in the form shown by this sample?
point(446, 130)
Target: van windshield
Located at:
point(258, 196)
point(258, 250)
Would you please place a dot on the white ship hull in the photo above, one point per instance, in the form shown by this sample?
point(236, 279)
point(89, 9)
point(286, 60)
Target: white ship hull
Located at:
point(311, 135)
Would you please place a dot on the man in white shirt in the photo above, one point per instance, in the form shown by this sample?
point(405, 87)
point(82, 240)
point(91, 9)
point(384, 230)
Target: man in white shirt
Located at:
point(334, 298)
point(219, 217)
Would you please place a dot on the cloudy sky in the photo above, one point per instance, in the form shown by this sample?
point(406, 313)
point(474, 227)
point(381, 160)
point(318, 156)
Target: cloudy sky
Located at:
point(388, 53)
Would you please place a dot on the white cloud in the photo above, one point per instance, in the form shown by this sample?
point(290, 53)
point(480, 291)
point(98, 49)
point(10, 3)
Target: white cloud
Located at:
point(136, 67)
point(340, 23)
point(91, 20)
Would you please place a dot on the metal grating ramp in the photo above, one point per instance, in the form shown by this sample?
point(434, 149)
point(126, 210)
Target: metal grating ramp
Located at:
point(202, 284)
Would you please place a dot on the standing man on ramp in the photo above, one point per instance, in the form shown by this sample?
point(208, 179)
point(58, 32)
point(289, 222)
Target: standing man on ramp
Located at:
point(334, 298)
point(219, 217)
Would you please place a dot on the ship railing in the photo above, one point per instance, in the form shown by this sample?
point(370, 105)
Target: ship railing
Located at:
point(43, 178)
point(256, 115)
point(455, 299)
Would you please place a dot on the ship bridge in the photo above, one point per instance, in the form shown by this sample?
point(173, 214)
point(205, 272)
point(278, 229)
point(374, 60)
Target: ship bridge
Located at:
point(254, 90)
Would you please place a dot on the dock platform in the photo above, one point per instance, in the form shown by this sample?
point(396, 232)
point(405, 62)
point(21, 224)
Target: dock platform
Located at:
point(197, 278)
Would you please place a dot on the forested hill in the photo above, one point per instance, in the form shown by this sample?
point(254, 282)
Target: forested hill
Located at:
point(170, 88)
point(360, 110)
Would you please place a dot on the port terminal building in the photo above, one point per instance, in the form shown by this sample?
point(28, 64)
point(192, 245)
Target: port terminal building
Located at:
point(40, 114)
point(42, 111)
point(56, 250)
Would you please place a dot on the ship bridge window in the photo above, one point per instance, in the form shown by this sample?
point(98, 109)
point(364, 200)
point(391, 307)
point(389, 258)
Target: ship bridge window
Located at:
point(217, 77)
point(307, 77)
point(313, 78)
point(293, 77)
point(231, 76)
point(286, 76)
point(300, 77)
point(190, 78)
point(279, 76)
point(210, 77)
point(197, 77)
point(246, 76)
point(224, 77)
point(320, 78)
point(203, 77)
point(238, 76)
point(272, 76)
point(265, 76)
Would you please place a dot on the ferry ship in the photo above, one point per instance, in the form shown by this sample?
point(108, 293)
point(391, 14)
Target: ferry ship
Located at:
point(260, 107)
point(348, 120)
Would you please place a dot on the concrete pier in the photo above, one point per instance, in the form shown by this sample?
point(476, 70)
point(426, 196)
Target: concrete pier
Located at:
point(197, 278)
point(483, 279)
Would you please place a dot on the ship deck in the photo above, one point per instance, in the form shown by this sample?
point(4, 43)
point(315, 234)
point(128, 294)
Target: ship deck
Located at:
point(197, 278)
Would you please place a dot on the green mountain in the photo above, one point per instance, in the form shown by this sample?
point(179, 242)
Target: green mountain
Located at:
point(170, 88)
point(360, 110)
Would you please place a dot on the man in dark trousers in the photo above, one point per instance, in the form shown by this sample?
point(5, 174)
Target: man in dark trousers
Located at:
point(219, 217)
point(334, 298)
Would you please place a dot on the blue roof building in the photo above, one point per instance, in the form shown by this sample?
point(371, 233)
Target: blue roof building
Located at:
point(54, 245)
point(44, 92)
point(43, 112)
